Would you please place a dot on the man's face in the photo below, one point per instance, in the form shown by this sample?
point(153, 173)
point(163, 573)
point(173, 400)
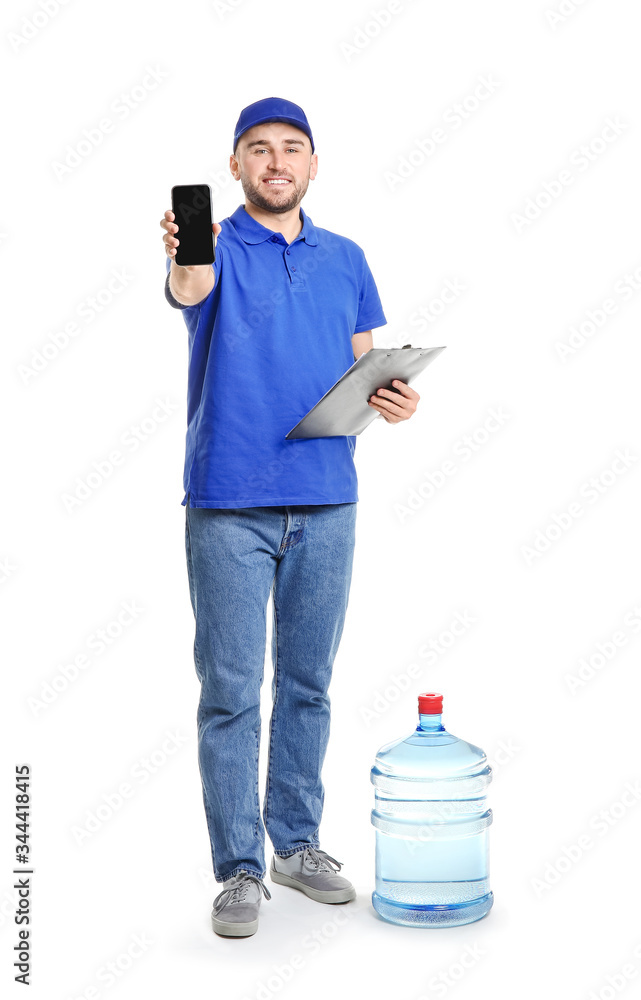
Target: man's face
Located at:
point(277, 152)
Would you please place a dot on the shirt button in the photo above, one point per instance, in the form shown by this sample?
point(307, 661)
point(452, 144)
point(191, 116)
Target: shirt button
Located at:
point(274, 239)
point(293, 269)
point(288, 251)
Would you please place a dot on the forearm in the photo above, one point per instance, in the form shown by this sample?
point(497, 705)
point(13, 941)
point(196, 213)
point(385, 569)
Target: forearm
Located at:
point(190, 285)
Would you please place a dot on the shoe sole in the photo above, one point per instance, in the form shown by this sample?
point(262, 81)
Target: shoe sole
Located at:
point(227, 929)
point(320, 896)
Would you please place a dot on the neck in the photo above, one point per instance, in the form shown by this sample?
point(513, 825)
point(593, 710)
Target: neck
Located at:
point(430, 723)
point(289, 224)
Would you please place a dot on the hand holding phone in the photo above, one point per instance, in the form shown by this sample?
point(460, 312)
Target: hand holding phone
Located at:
point(191, 216)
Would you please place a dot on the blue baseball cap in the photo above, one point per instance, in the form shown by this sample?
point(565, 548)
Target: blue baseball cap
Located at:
point(272, 109)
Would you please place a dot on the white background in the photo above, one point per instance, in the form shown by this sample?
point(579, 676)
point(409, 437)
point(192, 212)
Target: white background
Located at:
point(564, 843)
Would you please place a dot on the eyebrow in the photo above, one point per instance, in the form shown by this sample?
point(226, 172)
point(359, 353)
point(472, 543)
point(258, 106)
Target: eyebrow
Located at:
point(265, 142)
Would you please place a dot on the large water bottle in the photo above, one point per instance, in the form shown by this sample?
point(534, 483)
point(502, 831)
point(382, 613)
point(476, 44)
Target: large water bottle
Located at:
point(431, 821)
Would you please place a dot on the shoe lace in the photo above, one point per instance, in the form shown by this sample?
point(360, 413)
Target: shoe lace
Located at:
point(238, 892)
point(313, 857)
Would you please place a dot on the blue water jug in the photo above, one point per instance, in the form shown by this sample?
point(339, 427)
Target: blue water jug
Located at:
point(432, 825)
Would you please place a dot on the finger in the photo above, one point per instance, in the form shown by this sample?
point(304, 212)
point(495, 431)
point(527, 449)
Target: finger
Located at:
point(170, 245)
point(381, 412)
point(388, 395)
point(387, 406)
point(404, 389)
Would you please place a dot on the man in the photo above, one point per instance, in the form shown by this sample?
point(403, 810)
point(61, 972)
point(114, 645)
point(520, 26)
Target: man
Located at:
point(273, 323)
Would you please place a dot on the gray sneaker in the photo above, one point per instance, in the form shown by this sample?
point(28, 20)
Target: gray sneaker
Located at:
point(235, 912)
point(311, 871)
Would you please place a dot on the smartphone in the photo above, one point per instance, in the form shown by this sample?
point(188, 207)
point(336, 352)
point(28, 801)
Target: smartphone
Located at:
point(191, 205)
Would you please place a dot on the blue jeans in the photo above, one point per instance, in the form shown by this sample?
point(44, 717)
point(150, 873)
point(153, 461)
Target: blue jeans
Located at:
point(235, 557)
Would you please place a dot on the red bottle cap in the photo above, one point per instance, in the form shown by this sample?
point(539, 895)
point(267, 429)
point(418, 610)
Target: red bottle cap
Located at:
point(430, 704)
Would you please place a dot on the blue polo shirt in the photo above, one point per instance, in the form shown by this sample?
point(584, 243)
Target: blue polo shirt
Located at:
point(269, 340)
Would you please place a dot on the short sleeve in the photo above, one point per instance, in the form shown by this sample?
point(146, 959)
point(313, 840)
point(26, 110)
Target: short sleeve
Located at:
point(370, 310)
point(216, 266)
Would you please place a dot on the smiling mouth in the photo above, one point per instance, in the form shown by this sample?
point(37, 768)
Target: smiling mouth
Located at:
point(276, 181)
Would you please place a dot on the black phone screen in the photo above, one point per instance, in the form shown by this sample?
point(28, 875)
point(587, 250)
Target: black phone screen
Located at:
point(191, 205)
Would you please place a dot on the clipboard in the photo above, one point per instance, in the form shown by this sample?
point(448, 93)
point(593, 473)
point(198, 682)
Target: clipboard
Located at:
point(344, 409)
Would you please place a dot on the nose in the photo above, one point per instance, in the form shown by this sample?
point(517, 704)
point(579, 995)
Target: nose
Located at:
point(275, 163)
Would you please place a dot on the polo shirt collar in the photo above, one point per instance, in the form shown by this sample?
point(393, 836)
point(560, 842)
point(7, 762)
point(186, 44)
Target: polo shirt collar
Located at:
point(251, 231)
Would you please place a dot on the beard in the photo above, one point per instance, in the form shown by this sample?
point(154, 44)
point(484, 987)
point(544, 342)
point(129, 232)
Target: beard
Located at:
point(284, 201)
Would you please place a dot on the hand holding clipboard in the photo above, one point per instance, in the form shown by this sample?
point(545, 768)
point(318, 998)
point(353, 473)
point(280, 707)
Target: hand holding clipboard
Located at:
point(344, 409)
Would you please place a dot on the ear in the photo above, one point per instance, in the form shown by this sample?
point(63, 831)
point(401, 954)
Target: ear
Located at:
point(234, 166)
